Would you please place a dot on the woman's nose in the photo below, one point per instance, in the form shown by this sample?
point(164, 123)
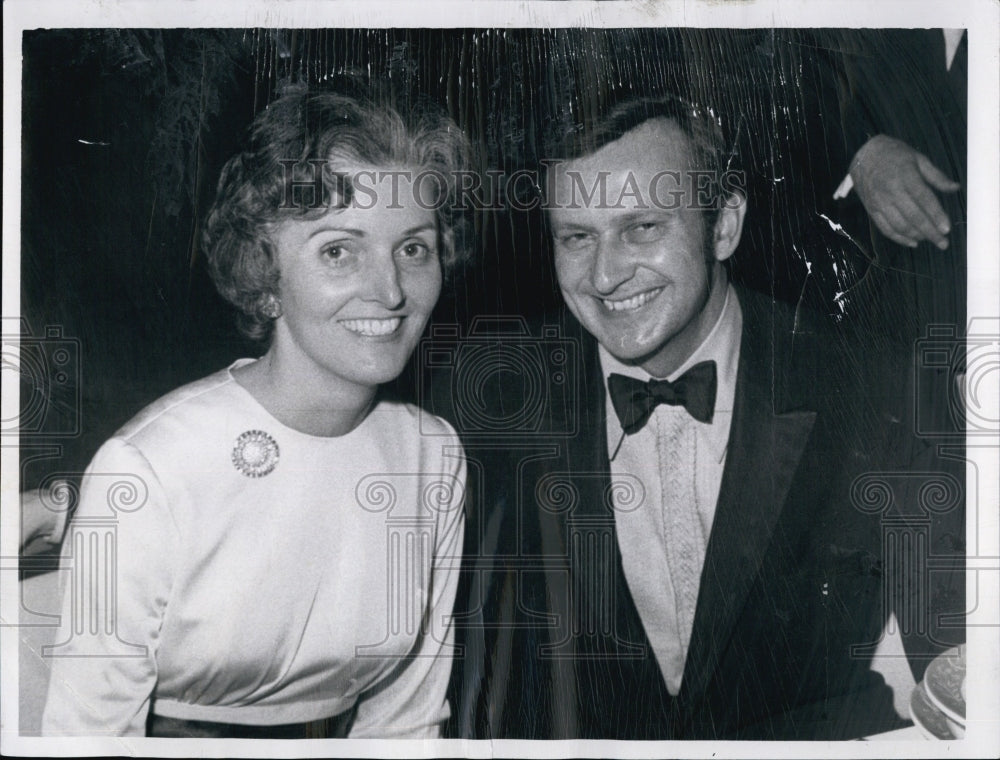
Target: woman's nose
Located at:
point(383, 283)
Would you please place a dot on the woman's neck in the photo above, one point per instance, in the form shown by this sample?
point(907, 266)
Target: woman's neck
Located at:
point(305, 401)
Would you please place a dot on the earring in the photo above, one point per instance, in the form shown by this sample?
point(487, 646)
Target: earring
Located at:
point(271, 307)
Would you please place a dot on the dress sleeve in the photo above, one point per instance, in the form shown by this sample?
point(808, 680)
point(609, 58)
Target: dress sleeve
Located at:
point(411, 701)
point(117, 567)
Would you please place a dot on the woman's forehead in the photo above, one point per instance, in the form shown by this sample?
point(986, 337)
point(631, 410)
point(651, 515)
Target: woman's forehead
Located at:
point(315, 187)
point(373, 211)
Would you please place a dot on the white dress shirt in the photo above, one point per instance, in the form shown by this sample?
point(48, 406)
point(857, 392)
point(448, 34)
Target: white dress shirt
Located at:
point(952, 39)
point(642, 534)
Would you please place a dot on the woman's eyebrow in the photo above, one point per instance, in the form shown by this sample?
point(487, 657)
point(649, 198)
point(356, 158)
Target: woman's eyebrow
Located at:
point(428, 227)
point(347, 230)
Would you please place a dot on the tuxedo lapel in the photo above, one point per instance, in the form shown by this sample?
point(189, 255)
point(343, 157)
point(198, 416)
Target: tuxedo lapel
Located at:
point(587, 450)
point(763, 454)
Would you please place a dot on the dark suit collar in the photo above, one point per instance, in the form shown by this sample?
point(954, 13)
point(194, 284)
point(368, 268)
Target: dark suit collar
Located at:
point(765, 446)
point(588, 448)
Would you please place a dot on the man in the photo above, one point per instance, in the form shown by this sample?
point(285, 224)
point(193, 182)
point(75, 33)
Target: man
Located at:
point(702, 557)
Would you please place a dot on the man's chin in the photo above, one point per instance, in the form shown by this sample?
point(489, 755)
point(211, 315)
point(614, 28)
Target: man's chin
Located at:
point(617, 335)
point(625, 350)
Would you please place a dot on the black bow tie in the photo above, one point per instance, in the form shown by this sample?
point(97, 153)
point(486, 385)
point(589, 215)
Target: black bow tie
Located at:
point(634, 400)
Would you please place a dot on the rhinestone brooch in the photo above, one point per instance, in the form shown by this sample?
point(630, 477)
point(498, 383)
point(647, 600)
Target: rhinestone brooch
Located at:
point(255, 453)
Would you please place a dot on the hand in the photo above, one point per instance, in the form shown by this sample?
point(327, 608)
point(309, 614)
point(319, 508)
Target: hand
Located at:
point(896, 185)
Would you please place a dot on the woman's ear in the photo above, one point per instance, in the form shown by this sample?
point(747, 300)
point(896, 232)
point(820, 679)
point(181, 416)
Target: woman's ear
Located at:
point(729, 225)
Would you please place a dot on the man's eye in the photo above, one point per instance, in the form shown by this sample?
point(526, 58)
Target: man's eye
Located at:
point(644, 232)
point(573, 241)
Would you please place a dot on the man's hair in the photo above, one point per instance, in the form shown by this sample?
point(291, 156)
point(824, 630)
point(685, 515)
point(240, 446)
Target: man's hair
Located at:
point(710, 151)
point(292, 138)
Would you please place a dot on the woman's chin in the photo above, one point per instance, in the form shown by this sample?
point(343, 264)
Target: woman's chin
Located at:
point(374, 376)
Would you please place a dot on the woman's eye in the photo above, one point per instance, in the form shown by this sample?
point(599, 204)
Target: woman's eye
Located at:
point(334, 252)
point(415, 250)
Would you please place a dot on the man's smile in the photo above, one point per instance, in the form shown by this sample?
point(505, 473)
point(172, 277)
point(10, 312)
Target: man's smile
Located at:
point(632, 302)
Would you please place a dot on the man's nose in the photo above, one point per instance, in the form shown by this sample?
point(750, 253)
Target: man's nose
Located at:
point(383, 282)
point(612, 267)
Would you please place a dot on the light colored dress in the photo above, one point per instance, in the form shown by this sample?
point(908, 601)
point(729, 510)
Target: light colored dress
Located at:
point(224, 567)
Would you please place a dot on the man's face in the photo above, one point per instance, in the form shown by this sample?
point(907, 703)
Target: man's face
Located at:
point(635, 263)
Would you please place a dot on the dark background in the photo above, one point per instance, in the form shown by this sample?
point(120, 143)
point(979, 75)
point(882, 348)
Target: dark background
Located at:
point(125, 131)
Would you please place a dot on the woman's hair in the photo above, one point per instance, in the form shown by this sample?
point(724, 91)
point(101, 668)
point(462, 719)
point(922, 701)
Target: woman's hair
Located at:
point(283, 166)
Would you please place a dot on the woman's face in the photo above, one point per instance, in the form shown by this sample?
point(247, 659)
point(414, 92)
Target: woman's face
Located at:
point(357, 287)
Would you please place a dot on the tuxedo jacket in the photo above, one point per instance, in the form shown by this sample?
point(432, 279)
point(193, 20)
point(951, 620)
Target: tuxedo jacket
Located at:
point(803, 563)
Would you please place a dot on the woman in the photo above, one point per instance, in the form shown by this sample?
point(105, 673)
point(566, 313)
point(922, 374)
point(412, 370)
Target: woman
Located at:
point(288, 563)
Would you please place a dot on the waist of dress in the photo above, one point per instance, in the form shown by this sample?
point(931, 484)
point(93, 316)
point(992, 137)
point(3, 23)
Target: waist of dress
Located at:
point(332, 727)
point(265, 716)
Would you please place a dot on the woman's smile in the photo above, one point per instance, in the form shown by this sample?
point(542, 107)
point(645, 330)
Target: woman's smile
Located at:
point(373, 328)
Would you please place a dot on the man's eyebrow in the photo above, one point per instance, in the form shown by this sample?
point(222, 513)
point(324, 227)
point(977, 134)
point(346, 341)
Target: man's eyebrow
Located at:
point(640, 214)
point(563, 226)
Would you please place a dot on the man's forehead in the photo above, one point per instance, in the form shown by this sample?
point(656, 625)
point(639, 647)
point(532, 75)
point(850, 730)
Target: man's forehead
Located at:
point(648, 167)
point(654, 146)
